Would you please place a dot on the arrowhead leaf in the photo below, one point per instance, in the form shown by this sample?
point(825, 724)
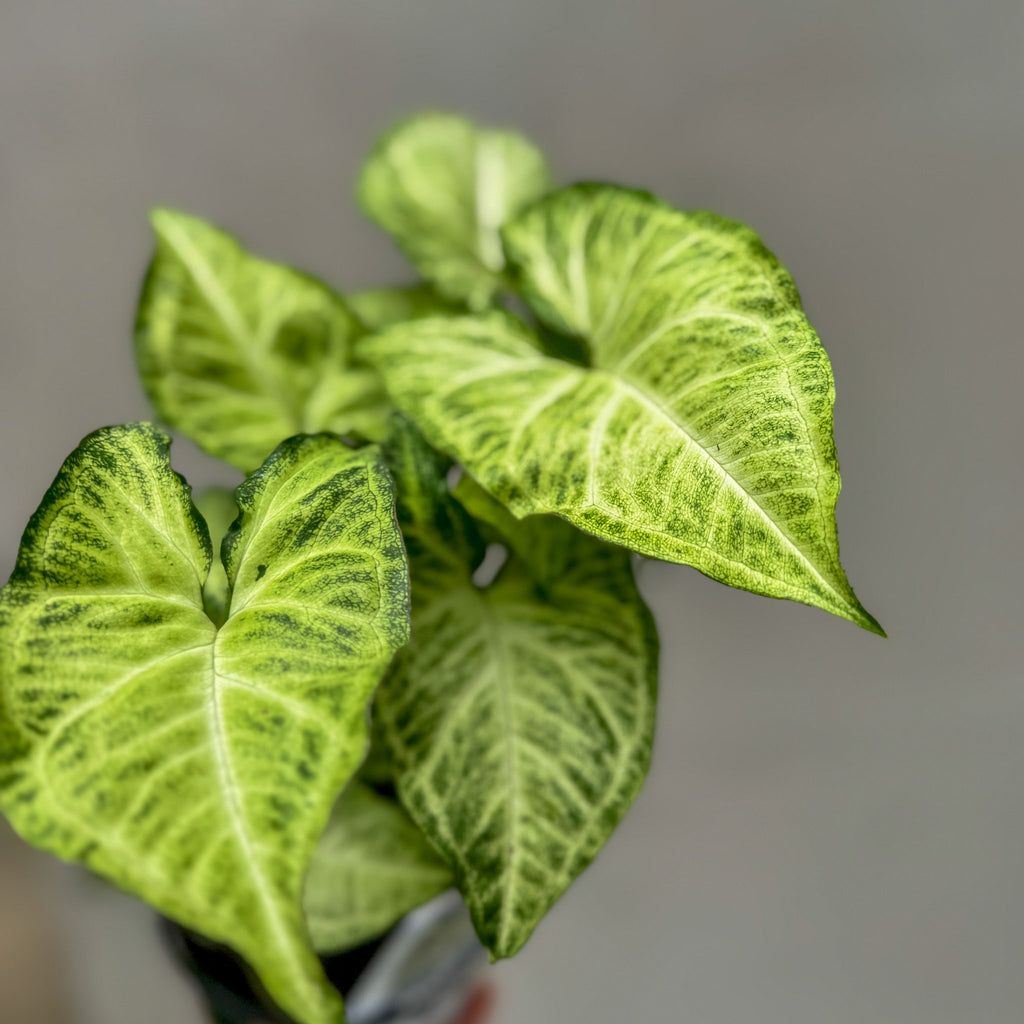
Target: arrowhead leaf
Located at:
point(443, 188)
point(239, 353)
point(701, 431)
point(372, 866)
point(520, 718)
point(195, 766)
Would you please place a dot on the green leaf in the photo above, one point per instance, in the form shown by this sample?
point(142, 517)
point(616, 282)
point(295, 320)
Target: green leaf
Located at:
point(520, 717)
point(195, 766)
point(443, 188)
point(378, 308)
point(545, 544)
point(217, 507)
point(239, 353)
point(373, 866)
point(375, 770)
point(702, 430)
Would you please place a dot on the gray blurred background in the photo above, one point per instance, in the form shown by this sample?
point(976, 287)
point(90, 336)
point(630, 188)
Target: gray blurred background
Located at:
point(833, 829)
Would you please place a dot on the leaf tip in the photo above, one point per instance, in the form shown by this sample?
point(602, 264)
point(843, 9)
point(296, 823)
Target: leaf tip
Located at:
point(871, 624)
point(160, 217)
point(860, 616)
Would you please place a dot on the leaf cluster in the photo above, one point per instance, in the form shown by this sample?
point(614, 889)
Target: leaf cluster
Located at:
point(189, 689)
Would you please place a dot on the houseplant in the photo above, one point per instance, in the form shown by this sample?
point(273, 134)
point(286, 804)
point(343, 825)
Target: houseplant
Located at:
point(581, 375)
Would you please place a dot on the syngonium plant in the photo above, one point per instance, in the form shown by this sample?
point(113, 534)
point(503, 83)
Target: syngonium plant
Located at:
point(189, 690)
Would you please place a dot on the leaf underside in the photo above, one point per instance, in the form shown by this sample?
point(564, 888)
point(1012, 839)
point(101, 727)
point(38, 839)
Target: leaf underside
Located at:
point(701, 431)
point(371, 867)
point(443, 188)
point(195, 766)
point(520, 719)
point(239, 353)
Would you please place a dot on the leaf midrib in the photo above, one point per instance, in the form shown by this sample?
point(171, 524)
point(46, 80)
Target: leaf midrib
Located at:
point(580, 374)
point(656, 407)
point(508, 719)
point(621, 382)
point(528, 355)
point(489, 625)
point(489, 205)
point(576, 296)
point(630, 354)
point(228, 313)
point(229, 785)
point(283, 941)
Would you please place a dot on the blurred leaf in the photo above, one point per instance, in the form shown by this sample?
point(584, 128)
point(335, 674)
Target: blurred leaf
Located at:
point(238, 353)
point(372, 866)
point(443, 187)
point(378, 308)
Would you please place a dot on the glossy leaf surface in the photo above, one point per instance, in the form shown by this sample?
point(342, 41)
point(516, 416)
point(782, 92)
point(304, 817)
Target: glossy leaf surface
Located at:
point(239, 353)
point(372, 866)
point(443, 187)
point(191, 765)
point(702, 430)
point(520, 718)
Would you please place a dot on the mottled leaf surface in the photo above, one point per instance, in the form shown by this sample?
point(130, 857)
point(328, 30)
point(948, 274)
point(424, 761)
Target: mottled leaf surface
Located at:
point(701, 431)
point(520, 717)
point(372, 866)
point(191, 765)
point(443, 187)
point(239, 353)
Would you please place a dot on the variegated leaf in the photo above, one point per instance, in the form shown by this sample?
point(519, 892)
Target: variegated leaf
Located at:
point(371, 867)
point(192, 765)
point(443, 187)
point(239, 353)
point(701, 431)
point(520, 718)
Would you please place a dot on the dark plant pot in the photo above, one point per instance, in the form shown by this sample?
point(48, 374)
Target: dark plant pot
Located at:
point(426, 970)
